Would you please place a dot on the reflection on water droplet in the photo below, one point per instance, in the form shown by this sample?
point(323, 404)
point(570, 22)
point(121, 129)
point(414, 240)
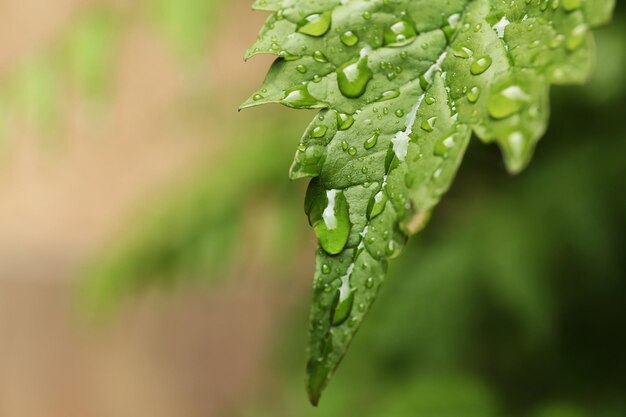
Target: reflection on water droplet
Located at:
point(444, 146)
point(371, 142)
point(399, 33)
point(343, 300)
point(507, 102)
point(377, 204)
point(344, 121)
point(349, 38)
point(315, 24)
point(329, 215)
point(298, 96)
point(353, 77)
point(480, 65)
point(474, 94)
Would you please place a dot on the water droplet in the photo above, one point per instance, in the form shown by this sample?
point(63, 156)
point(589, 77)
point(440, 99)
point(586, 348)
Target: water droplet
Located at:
point(444, 146)
point(389, 95)
point(319, 56)
point(301, 69)
point(571, 5)
point(353, 77)
point(343, 301)
point(507, 102)
point(399, 33)
point(377, 204)
point(463, 53)
point(325, 269)
point(319, 132)
point(349, 38)
point(429, 125)
point(257, 97)
point(369, 283)
point(474, 94)
point(344, 121)
point(371, 142)
point(329, 215)
point(576, 37)
point(298, 96)
point(315, 24)
point(480, 65)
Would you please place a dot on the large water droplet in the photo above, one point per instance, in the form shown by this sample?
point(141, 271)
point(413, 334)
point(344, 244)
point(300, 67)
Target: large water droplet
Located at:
point(480, 65)
point(353, 77)
point(298, 96)
point(329, 215)
point(315, 24)
point(507, 102)
point(400, 33)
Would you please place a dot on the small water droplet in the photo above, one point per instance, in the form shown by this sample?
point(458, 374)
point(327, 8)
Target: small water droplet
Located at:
point(377, 204)
point(344, 121)
point(371, 142)
point(319, 56)
point(473, 94)
point(349, 38)
point(429, 124)
point(389, 95)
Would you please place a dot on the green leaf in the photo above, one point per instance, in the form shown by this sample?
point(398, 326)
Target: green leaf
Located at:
point(402, 85)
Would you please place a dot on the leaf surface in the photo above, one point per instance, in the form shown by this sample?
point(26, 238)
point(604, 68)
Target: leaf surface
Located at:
point(402, 85)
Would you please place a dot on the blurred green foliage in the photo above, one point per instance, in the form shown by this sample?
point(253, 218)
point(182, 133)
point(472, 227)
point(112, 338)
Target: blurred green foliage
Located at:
point(82, 58)
point(201, 229)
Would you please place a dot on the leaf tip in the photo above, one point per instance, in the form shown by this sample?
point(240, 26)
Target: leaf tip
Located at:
point(318, 376)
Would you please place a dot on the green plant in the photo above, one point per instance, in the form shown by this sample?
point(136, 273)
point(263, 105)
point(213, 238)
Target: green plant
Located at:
point(402, 85)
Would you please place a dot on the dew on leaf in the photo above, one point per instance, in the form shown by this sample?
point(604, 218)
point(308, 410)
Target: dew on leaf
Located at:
point(507, 102)
point(348, 38)
point(480, 65)
point(353, 77)
point(316, 24)
point(344, 121)
point(330, 220)
point(400, 33)
point(298, 96)
point(371, 142)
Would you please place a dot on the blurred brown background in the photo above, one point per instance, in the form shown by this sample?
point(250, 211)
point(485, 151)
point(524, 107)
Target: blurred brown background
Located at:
point(63, 194)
